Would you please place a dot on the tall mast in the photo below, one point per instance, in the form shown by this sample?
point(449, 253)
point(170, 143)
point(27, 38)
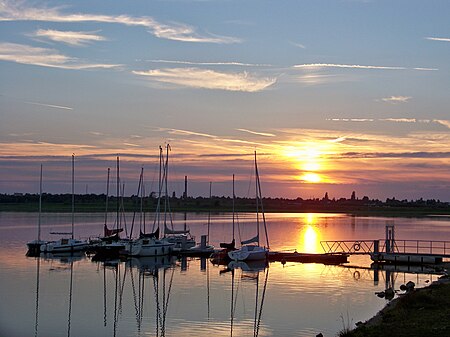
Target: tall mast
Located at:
point(40, 206)
point(234, 197)
point(73, 190)
point(107, 195)
point(140, 189)
point(209, 214)
point(257, 200)
point(166, 173)
point(118, 193)
point(158, 207)
point(262, 207)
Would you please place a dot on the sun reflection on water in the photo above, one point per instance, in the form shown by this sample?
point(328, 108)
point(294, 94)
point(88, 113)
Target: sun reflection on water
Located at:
point(309, 240)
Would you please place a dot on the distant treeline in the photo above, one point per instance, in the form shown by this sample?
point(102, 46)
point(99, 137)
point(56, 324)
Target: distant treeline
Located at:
point(97, 203)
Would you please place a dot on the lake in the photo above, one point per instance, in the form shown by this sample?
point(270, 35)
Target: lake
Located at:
point(74, 296)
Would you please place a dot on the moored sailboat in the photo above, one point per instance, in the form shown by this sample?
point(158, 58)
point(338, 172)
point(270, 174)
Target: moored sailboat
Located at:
point(34, 247)
point(221, 256)
point(110, 244)
point(149, 244)
point(181, 238)
point(251, 248)
point(64, 245)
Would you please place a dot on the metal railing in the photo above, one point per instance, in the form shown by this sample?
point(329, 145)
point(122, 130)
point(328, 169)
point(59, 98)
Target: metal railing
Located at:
point(424, 247)
point(348, 246)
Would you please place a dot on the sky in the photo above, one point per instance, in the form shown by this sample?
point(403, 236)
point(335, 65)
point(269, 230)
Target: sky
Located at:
point(334, 96)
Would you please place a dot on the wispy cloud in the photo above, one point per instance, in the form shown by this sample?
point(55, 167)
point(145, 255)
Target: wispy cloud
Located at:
point(50, 105)
point(17, 11)
point(395, 155)
point(442, 122)
point(296, 44)
point(396, 99)
point(350, 119)
point(355, 66)
point(211, 63)
point(44, 57)
point(209, 79)
point(399, 120)
point(351, 66)
point(186, 132)
point(68, 37)
point(442, 39)
point(257, 133)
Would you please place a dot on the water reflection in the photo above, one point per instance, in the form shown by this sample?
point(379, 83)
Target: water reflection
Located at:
point(249, 271)
point(192, 297)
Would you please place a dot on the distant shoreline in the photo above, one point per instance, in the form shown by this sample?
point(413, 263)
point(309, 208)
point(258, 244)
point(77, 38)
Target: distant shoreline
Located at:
point(97, 203)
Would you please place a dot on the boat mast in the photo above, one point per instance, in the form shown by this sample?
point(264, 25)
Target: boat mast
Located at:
point(262, 207)
point(73, 190)
point(158, 205)
point(234, 197)
point(257, 199)
point(166, 173)
point(107, 195)
point(118, 193)
point(40, 206)
point(209, 213)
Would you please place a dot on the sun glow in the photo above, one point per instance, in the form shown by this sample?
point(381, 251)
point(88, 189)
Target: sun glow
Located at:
point(307, 158)
point(311, 178)
point(310, 240)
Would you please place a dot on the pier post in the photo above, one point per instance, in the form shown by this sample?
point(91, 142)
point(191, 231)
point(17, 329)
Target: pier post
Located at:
point(376, 246)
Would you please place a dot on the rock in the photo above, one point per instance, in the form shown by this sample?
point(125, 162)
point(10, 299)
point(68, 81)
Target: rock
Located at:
point(389, 294)
point(410, 286)
point(380, 294)
point(319, 335)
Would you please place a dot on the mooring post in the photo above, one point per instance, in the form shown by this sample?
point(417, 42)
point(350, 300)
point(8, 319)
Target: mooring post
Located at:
point(376, 246)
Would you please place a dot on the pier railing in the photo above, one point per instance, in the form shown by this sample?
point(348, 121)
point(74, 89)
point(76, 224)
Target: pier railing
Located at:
point(348, 247)
point(355, 247)
point(424, 247)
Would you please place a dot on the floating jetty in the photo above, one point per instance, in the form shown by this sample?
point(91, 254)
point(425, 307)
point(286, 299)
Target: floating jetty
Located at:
point(283, 257)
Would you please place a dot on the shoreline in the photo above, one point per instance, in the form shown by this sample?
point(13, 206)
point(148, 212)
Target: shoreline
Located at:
point(421, 312)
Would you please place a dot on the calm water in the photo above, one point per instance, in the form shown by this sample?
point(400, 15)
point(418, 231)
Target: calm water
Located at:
point(164, 297)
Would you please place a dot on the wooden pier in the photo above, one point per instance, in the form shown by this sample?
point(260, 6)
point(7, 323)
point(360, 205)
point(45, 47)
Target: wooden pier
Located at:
point(329, 259)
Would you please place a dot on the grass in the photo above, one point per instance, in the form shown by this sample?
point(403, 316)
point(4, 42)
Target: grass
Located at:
point(424, 312)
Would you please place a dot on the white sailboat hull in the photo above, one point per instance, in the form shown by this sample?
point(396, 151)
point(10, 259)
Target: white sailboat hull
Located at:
point(248, 253)
point(64, 245)
point(149, 247)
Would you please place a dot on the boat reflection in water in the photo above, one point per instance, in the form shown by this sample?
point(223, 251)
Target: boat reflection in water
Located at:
point(153, 269)
point(248, 271)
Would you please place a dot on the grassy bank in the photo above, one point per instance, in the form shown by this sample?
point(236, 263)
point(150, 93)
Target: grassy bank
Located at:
point(424, 312)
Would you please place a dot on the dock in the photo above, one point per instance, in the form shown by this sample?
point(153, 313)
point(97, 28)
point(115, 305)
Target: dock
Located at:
point(391, 250)
point(329, 259)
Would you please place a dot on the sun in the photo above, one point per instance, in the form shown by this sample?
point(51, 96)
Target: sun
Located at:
point(311, 177)
point(308, 159)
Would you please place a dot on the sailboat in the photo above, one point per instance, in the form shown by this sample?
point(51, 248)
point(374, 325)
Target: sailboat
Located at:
point(64, 245)
point(204, 248)
point(34, 247)
point(221, 257)
point(181, 238)
point(251, 249)
point(110, 244)
point(149, 244)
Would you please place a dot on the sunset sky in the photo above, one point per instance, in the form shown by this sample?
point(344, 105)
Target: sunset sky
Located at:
point(335, 96)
